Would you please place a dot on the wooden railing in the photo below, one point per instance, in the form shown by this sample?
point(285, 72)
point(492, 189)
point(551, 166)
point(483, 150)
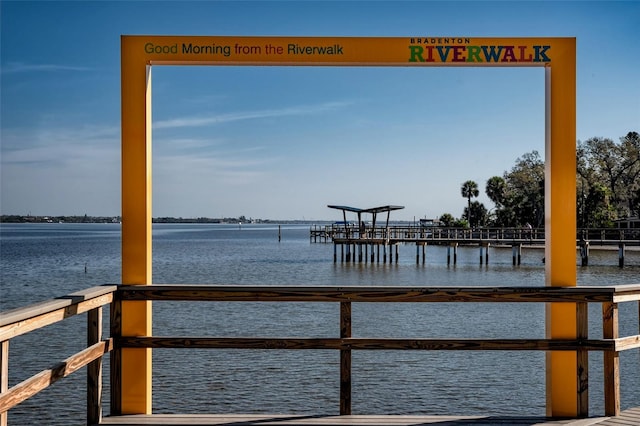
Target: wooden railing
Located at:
point(24, 320)
point(20, 321)
point(445, 234)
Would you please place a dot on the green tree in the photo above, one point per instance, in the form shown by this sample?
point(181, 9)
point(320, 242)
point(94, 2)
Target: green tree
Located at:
point(616, 166)
point(478, 212)
point(605, 159)
point(524, 199)
point(447, 220)
point(495, 190)
point(460, 223)
point(469, 189)
point(601, 213)
point(630, 151)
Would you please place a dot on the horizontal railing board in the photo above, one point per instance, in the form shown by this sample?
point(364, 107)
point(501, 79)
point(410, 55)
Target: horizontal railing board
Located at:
point(187, 292)
point(32, 321)
point(628, 342)
point(20, 314)
point(626, 293)
point(31, 386)
point(366, 343)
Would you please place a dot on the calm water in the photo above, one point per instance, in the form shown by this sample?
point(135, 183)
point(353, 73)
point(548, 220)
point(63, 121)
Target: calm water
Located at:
point(48, 260)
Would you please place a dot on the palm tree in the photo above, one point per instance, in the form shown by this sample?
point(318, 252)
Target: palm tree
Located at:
point(496, 188)
point(469, 189)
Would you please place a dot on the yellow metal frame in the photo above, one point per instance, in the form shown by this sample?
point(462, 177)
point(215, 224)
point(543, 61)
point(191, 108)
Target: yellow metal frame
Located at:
point(556, 54)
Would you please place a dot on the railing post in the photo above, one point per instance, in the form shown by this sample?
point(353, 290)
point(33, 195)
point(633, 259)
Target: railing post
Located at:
point(4, 376)
point(582, 321)
point(611, 360)
point(94, 369)
point(345, 360)
point(115, 379)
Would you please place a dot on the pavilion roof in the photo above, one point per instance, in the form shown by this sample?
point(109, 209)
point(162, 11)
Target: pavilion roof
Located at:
point(380, 209)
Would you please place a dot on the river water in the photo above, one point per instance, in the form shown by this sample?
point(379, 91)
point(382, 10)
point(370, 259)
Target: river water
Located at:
point(42, 261)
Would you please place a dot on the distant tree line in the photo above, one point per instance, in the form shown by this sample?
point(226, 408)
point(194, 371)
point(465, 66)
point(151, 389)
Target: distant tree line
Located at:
point(115, 219)
point(607, 183)
point(13, 218)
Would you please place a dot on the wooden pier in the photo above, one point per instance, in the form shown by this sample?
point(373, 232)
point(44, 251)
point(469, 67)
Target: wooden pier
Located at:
point(354, 243)
point(91, 302)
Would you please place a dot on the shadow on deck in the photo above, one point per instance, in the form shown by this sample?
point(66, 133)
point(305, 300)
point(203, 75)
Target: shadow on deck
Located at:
point(628, 417)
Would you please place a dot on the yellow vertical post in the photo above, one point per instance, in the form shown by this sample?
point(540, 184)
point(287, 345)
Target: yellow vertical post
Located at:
point(136, 222)
point(560, 225)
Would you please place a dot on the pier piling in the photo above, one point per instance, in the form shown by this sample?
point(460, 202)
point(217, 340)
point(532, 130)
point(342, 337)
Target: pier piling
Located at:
point(621, 255)
point(584, 252)
point(516, 253)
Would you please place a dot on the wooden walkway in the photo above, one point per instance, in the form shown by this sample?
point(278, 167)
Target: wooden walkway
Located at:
point(628, 417)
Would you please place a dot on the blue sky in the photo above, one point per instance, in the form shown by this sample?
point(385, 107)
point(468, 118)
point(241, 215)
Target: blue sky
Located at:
point(283, 142)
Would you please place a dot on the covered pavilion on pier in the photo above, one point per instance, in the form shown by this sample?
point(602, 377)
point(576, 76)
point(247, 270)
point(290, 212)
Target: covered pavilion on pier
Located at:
point(373, 210)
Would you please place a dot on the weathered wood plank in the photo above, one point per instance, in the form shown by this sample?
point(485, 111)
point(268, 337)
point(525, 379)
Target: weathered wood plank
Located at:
point(629, 342)
point(4, 377)
point(611, 361)
point(351, 420)
point(115, 360)
point(365, 343)
point(20, 314)
point(367, 294)
point(18, 323)
point(582, 323)
point(345, 359)
point(627, 417)
point(26, 389)
point(626, 297)
point(94, 368)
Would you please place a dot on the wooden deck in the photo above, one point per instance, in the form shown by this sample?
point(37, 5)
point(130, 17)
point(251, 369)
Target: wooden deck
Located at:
point(628, 417)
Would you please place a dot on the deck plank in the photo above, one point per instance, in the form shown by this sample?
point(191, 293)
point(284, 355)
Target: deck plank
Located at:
point(354, 420)
point(627, 417)
point(630, 417)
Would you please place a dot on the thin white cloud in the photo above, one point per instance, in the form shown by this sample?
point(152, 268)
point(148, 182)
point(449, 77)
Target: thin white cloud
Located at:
point(19, 67)
point(249, 115)
point(59, 145)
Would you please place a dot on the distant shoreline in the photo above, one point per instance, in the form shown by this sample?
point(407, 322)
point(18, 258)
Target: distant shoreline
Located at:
point(118, 219)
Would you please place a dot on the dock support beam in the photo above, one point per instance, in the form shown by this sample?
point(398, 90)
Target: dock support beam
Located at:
point(418, 245)
point(584, 253)
point(453, 246)
point(621, 255)
point(484, 253)
point(516, 253)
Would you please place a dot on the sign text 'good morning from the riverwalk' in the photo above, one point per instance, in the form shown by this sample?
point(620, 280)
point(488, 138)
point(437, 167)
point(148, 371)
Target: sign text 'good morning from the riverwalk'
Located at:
point(410, 51)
